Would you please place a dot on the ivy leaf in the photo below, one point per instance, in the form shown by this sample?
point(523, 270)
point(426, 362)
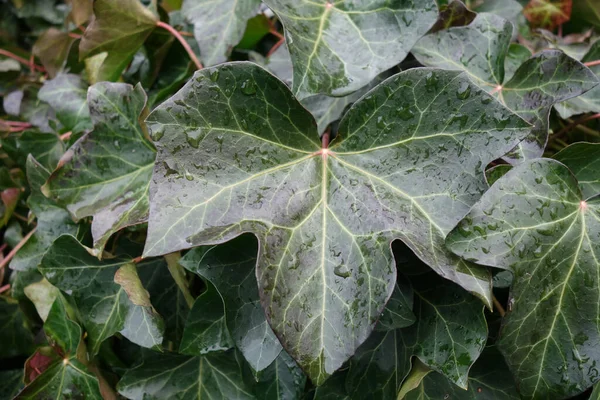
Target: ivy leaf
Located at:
point(106, 173)
point(205, 329)
point(535, 222)
point(583, 159)
point(338, 48)
point(325, 219)
point(11, 382)
point(52, 48)
point(61, 329)
point(488, 379)
point(548, 13)
point(283, 379)
point(47, 148)
point(167, 376)
point(42, 294)
point(52, 221)
point(231, 268)
point(588, 102)
point(15, 335)
point(545, 79)
point(119, 28)
point(507, 9)
point(516, 56)
point(455, 13)
point(106, 302)
point(448, 337)
point(398, 310)
point(218, 25)
point(67, 94)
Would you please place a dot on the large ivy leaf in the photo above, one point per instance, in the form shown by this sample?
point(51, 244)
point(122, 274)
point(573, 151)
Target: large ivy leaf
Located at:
point(448, 337)
point(15, 336)
point(535, 222)
point(337, 48)
point(67, 94)
point(583, 159)
point(119, 29)
point(52, 220)
point(488, 379)
point(325, 217)
point(590, 101)
point(106, 173)
point(167, 376)
point(231, 268)
point(218, 25)
point(480, 49)
point(108, 293)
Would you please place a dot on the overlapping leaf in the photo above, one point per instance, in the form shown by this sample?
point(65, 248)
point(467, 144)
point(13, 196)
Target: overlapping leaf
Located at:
point(14, 333)
point(480, 49)
point(231, 268)
point(325, 218)
point(119, 29)
point(67, 94)
point(339, 47)
point(107, 293)
point(167, 376)
point(535, 222)
point(283, 379)
point(448, 337)
point(106, 173)
point(583, 159)
point(52, 48)
point(218, 25)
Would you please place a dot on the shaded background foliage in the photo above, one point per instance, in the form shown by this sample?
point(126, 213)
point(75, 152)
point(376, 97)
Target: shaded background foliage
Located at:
point(173, 228)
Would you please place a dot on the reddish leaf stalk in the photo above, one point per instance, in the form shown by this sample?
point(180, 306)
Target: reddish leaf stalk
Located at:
point(185, 44)
point(574, 124)
point(22, 60)
point(5, 288)
point(592, 63)
point(276, 46)
point(17, 248)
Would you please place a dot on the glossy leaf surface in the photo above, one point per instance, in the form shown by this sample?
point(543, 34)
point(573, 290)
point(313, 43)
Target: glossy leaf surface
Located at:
point(583, 159)
point(67, 94)
point(535, 222)
point(337, 48)
point(326, 232)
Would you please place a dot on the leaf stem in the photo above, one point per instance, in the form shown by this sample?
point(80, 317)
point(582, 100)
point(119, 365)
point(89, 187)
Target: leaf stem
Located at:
point(178, 275)
point(17, 248)
point(4, 288)
point(574, 124)
point(276, 46)
point(325, 140)
point(185, 44)
point(592, 63)
point(498, 306)
point(22, 60)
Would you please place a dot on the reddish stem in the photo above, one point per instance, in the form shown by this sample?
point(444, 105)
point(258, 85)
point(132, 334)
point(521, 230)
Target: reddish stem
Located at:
point(12, 253)
point(185, 44)
point(66, 136)
point(592, 63)
point(273, 31)
point(137, 260)
point(275, 47)
point(21, 60)
point(19, 124)
point(325, 140)
point(75, 35)
point(4, 288)
point(574, 124)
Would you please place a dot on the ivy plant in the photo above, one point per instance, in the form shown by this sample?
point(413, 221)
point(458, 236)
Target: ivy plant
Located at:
point(348, 199)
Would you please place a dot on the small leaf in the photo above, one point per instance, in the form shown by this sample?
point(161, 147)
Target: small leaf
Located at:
point(11, 382)
point(218, 25)
point(106, 173)
point(52, 48)
point(67, 95)
point(535, 222)
point(61, 330)
point(42, 294)
point(15, 336)
point(325, 219)
point(338, 48)
point(231, 268)
point(283, 379)
point(515, 57)
point(119, 28)
point(104, 305)
point(46, 148)
point(507, 9)
point(548, 13)
point(455, 13)
point(205, 329)
point(166, 376)
point(583, 159)
point(81, 11)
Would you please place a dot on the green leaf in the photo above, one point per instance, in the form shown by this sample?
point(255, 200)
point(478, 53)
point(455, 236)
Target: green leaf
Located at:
point(325, 219)
point(61, 329)
point(535, 222)
point(398, 310)
point(231, 268)
point(106, 299)
point(583, 159)
point(588, 102)
point(42, 294)
point(480, 50)
point(67, 94)
point(106, 173)
point(52, 48)
point(338, 48)
point(167, 376)
point(595, 393)
point(448, 337)
point(205, 329)
point(507, 9)
point(488, 379)
point(15, 335)
point(63, 379)
point(119, 28)
point(283, 379)
point(454, 13)
point(52, 221)
point(218, 25)
point(46, 148)
point(586, 10)
point(11, 382)
point(516, 56)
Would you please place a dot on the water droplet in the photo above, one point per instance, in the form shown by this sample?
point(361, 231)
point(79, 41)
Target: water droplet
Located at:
point(248, 87)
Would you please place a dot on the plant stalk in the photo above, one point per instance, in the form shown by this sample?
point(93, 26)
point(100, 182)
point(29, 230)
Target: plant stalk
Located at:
point(178, 275)
point(22, 60)
point(185, 44)
point(17, 248)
